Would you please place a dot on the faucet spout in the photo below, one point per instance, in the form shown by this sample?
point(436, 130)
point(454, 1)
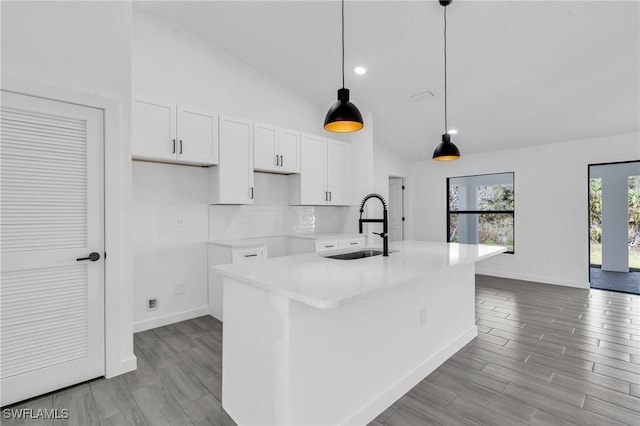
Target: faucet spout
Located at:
point(385, 222)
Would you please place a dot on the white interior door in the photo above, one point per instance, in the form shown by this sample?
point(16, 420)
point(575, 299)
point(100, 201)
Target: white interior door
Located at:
point(52, 214)
point(396, 210)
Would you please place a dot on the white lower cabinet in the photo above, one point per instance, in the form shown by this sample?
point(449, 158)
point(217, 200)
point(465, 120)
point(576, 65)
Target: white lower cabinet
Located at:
point(325, 173)
point(231, 182)
point(310, 245)
point(223, 255)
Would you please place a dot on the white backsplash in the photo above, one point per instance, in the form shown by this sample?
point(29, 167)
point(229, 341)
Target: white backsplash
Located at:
point(271, 215)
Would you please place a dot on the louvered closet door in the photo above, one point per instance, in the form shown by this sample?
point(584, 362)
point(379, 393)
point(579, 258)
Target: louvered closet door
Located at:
point(51, 213)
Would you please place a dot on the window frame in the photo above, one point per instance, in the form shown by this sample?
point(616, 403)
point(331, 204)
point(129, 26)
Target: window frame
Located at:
point(479, 212)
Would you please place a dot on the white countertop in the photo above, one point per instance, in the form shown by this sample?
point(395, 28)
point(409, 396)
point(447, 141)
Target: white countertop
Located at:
point(243, 243)
point(325, 283)
point(325, 236)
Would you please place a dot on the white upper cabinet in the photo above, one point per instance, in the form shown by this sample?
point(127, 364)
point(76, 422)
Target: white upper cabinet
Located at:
point(197, 136)
point(265, 147)
point(232, 180)
point(276, 150)
point(338, 172)
point(166, 132)
point(289, 150)
point(325, 173)
point(154, 130)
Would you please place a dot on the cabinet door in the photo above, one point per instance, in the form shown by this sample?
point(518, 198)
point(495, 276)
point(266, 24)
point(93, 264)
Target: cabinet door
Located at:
point(235, 171)
point(289, 150)
point(197, 136)
point(154, 130)
point(339, 172)
point(265, 149)
point(313, 167)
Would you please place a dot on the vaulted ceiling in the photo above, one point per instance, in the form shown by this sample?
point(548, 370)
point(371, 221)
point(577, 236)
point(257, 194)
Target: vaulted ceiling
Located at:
point(520, 73)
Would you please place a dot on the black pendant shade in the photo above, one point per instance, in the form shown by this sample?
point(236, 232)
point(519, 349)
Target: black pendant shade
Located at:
point(343, 116)
point(446, 150)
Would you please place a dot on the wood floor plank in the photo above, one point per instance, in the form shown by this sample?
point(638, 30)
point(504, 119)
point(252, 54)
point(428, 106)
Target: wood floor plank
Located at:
point(154, 350)
point(160, 407)
point(620, 398)
point(422, 412)
point(111, 396)
point(182, 383)
point(206, 411)
point(623, 415)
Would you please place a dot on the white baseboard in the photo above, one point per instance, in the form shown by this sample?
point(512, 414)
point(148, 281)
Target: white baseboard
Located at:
point(535, 278)
point(170, 319)
point(126, 365)
point(371, 410)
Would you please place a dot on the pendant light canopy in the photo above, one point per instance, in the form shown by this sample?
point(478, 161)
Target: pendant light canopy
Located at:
point(446, 150)
point(343, 116)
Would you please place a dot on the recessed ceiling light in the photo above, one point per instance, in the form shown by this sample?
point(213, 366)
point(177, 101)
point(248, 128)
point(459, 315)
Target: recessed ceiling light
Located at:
point(360, 70)
point(453, 132)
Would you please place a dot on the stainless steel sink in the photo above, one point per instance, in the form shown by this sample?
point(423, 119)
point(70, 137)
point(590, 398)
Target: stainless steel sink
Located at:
point(357, 254)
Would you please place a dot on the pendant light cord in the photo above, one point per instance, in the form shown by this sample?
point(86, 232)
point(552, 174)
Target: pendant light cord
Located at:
point(343, 44)
point(446, 126)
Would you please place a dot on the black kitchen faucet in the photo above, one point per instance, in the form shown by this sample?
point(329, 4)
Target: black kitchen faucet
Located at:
point(385, 223)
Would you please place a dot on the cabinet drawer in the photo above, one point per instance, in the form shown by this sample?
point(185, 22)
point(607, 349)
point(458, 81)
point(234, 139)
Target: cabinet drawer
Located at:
point(352, 242)
point(326, 245)
point(245, 255)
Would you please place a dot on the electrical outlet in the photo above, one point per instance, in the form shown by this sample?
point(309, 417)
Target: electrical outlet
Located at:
point(152, 304)
point(179, 289)
point(181, 222)
point(423, 316)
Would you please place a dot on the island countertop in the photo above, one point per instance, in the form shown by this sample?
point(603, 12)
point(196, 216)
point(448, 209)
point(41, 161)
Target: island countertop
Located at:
point(325, 283)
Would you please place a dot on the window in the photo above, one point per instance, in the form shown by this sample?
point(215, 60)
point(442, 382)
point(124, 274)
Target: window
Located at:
point(481, 209)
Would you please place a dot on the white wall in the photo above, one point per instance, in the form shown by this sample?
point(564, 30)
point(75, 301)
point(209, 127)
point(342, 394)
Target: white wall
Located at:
point(171, 63)
point(551, 227)
point(81, 52)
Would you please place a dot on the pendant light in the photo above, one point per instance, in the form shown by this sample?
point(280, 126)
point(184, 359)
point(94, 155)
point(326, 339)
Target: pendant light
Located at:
point(343, 116)
point(446, 150)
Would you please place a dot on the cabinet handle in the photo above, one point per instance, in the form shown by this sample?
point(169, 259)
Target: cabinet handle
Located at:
point(174, 146)
point(251, 192)
point(330, 246)
point(329, 195)
point(277, 161)
point(281, 161)
point(326, 196)
point(180, 146)
point(353, 244)
point(251, 255)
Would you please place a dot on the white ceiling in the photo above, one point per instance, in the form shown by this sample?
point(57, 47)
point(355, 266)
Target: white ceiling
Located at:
point(519, 73)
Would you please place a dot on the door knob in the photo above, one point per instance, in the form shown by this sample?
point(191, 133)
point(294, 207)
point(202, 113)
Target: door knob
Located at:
point(92, 257)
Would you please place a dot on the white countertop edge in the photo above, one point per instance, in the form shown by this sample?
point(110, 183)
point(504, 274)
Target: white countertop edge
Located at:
point(324, 236)
point(324, 304)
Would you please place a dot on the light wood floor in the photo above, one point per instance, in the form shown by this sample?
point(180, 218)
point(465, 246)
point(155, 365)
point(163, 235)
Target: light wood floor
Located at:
point(545, 355)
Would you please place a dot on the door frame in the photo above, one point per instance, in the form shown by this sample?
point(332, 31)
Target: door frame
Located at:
point(118, 292)
point(589, 208)
point(404, 201)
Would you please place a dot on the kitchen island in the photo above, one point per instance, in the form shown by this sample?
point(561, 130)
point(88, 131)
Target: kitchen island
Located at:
point(310, 340)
